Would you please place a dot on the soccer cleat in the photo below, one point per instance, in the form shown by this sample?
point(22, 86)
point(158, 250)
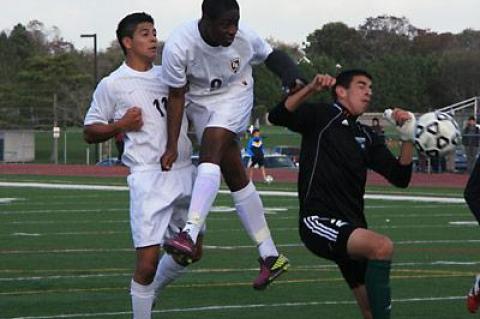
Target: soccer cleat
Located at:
point(473, 297)
point(270, 269)
point(181, 245)
point(472, 303)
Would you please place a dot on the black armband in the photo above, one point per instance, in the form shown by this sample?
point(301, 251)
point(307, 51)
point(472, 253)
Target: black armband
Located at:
point(285, 68)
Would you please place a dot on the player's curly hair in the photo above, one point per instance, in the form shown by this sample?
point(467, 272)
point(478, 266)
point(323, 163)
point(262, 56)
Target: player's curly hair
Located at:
point(126, 27)
point(344, 79)
point(213, 9)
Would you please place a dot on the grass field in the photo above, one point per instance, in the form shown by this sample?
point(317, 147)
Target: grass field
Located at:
point(67, 254)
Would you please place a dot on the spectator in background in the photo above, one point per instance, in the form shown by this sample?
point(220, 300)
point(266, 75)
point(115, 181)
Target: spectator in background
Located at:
point(471, 139)
point(377, 128)
point(254, 150)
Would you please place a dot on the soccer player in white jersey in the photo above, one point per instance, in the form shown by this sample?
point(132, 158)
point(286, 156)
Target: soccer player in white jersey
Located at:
point(134, 98)
point(208, 63)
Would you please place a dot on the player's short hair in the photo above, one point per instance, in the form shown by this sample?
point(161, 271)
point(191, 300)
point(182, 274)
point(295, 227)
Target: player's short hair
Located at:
point(126, 27)
point(344, 79)
point(213, 9)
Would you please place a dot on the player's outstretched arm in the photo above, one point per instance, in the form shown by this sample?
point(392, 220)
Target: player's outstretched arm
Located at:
point(97, 133)
point(319, 83)
point(175, 106)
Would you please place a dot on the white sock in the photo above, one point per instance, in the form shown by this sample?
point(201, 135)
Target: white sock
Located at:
point(250, 210)
point(204, 192)
point(142, 300)
point(167, 271)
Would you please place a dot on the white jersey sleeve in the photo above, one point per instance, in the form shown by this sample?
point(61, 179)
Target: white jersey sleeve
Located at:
point(174, 63)
point(261, 48)
point(102, 107)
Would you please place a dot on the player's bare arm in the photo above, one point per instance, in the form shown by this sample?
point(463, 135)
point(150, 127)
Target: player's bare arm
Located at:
point(175, 108)
point(130, 121)
point(319, 83)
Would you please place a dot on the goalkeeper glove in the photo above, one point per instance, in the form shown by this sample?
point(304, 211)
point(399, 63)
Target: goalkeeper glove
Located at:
point(406, 130)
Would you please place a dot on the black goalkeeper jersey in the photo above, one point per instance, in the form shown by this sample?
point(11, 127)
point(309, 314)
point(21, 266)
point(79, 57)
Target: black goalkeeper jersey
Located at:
point(336, 153)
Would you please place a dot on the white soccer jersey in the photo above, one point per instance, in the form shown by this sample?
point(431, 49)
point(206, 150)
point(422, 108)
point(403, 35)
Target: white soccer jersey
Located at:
point(125, 88)
point(212, 71)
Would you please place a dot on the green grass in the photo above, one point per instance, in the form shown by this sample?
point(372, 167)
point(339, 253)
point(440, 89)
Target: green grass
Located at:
point(80, 261)
point(72, 149)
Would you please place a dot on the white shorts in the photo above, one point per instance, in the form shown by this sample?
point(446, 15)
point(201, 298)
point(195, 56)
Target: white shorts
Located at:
point(158, 203)
point(229, 111)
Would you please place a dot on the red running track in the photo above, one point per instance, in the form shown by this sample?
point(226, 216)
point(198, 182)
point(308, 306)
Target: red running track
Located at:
point(282, 175)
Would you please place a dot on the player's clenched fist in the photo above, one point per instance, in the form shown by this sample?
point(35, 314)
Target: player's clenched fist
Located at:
point(322, 82)
point(168, 158)
point(131, 120)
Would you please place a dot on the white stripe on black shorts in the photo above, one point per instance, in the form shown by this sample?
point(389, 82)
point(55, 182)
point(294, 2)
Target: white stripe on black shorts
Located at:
point(326, 236)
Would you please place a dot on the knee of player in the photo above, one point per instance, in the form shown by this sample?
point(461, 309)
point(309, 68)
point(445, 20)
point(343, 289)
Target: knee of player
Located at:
point(146, 271)
point(383, 249)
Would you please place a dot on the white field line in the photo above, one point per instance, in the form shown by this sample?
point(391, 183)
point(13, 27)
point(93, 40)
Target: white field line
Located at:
point(453, 200)
point(49, 222)
point(9, 200)
point(295, 267)
point(213, 247)
point(239, 307)
point(126, 272)
point(102, 210)
point(456, 225)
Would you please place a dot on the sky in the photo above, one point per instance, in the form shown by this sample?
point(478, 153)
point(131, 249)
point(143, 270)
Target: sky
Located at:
point(289, 21)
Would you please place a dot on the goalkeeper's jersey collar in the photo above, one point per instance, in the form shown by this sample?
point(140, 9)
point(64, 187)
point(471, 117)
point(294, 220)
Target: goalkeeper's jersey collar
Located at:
point(348, 118)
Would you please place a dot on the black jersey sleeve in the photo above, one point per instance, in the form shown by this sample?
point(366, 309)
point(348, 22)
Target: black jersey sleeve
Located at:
point(472, 191)
point(303, 120)
point(382, 161)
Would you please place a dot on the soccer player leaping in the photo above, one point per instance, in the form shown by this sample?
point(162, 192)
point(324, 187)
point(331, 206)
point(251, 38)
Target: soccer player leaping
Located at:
point(208, 63)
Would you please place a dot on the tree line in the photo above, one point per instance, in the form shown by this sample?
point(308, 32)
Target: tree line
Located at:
point(45, 79)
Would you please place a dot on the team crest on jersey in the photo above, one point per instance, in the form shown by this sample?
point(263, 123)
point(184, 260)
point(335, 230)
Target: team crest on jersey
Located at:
point(235, 65)
point(361, 141)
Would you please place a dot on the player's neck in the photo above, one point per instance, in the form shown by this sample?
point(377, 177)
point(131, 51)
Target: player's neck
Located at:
point(137, 64)
point(202, 27)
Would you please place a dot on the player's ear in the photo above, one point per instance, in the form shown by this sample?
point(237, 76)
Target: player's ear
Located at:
point(127, 42)
point(340, 91)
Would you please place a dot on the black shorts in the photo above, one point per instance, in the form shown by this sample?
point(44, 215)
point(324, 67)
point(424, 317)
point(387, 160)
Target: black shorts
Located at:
point(327, 237)
point(256, 161)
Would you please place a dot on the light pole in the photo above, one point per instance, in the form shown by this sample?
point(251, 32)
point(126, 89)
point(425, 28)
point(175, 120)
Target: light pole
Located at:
point(95, 79)
point(95, 72)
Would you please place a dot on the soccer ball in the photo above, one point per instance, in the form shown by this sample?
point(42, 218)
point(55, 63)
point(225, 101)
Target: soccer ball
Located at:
point(436, 134)
point(268, 179)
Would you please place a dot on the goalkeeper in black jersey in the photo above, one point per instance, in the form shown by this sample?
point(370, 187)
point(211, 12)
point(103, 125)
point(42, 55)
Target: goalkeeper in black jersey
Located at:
point(336, 152)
